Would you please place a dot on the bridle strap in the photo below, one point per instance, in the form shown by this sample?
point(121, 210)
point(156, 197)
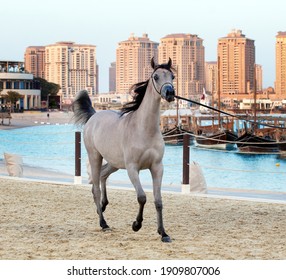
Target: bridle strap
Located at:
point(159, 92)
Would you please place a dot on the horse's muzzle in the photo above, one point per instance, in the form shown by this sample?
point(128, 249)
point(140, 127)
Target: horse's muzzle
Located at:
point(168, 92)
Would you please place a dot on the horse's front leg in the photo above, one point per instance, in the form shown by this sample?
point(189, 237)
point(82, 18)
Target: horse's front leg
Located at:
point(141, 196)
point(157, 174)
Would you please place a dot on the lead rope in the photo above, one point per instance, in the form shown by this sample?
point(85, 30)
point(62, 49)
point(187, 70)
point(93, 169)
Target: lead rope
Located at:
point(228, 114)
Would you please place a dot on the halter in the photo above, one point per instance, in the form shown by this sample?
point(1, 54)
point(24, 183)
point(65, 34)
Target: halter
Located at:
point(167, 83)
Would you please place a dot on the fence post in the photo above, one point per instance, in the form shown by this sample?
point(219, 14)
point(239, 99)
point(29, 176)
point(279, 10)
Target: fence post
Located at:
point(77, 177)
point(186, 161)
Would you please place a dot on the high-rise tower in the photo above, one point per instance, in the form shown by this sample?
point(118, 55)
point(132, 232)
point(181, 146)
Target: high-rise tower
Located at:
point(280, 83)
point(72, 66)
point(188, 56)
point(35, 61)
point(133, 58)
point(236, 64)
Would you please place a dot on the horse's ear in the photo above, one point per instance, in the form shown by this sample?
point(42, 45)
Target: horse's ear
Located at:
point(170, 62)
point(153, 63)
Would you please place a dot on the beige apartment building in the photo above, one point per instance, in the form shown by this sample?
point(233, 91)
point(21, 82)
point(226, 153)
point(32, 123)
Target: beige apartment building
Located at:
point(35, 61)
point(133, 58)
point(188, 56)
point(280, 83)
point(73, 67)
point(236, 64)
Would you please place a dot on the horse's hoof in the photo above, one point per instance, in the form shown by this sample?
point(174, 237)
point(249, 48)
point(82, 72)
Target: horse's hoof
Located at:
point(166, 239)
point(106, 229)
point(136, 226)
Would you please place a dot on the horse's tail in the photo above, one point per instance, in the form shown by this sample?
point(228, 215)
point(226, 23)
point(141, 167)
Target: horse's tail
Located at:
point(82, 108)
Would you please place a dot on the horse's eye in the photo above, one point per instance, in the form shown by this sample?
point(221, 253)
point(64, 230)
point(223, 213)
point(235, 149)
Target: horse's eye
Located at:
point(156, 77)
point(173, 76)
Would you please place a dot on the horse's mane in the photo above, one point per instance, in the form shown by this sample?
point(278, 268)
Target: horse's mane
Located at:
point(139, 91)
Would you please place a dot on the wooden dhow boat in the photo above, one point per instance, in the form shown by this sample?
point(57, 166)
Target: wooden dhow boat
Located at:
point(221, 140)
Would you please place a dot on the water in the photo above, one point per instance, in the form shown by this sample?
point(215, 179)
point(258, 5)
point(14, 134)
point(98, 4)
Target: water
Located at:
point(52, 147)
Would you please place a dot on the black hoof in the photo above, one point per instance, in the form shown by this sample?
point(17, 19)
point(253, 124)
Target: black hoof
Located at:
point(106, 228)
point(166, 239)
point(136, 226)
point(104, 225)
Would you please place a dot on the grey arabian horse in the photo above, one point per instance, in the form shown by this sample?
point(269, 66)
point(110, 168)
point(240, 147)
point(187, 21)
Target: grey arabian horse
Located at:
point(130, 139)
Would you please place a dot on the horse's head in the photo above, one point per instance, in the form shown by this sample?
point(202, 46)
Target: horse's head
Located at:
point(162, 80)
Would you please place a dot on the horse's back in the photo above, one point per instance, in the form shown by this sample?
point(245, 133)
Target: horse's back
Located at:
point(102, 132)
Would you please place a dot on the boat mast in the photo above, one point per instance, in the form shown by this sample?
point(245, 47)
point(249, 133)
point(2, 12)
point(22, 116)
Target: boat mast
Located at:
point(218, 90)
point(177, 105)
point(254, 89)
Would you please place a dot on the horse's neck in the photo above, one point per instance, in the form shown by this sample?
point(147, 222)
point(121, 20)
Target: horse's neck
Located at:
point(148, 114)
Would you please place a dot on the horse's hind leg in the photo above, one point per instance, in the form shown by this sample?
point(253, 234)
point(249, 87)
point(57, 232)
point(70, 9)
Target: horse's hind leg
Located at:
point(95, 160)
point(106, 170)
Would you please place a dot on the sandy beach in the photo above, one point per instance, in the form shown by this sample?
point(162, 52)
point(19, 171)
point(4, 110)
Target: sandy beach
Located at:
point(26, 119)
point(59, 221)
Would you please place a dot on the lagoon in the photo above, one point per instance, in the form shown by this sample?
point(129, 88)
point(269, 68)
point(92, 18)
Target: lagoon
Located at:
point(52, 147)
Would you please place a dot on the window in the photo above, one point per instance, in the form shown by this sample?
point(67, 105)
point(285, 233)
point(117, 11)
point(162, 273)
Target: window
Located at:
point(8, 85)
point(16, 85)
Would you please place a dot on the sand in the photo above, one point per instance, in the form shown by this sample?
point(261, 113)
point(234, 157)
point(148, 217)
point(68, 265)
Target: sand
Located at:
point(59, 221)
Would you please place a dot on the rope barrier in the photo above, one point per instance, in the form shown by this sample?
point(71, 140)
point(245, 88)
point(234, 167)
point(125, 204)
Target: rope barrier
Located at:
point(36, 142)
point(47, 158)
point(16, 132)
point(225, 141)
point(240, 170)
point(228, 114)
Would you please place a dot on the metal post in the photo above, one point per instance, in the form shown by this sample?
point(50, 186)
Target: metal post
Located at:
point(186, 161)
point(77, 177)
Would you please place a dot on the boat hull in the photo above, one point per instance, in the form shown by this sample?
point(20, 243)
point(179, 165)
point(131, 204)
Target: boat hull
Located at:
point(252, 143)
point(219, 141)
point(175, 136)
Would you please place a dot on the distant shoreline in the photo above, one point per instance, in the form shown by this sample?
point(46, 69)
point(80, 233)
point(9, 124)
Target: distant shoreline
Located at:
point(26, 119)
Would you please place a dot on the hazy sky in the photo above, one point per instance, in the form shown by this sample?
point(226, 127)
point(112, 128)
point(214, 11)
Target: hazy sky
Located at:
point(104, 23)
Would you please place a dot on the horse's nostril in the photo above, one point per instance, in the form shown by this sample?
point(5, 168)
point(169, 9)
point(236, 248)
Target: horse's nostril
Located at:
point(170, 97)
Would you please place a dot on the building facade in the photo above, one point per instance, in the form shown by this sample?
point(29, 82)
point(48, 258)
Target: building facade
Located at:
point(280, 83)
point(112, 77)
point(259, 77)
point(133, 58)
point(34, 58)
point(73, 67)
point(14, 78)
point(211, 77)
point(188, 56)
point(236, 64)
